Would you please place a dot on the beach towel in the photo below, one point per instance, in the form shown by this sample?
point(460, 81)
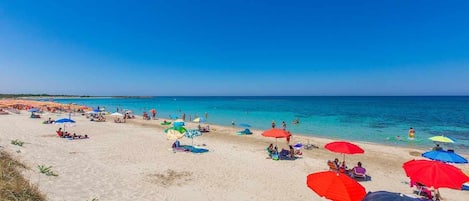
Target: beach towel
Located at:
point(195, 149)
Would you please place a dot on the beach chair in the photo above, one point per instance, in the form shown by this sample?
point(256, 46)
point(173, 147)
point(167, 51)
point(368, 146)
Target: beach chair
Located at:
point(421, 190)
point(332, 166)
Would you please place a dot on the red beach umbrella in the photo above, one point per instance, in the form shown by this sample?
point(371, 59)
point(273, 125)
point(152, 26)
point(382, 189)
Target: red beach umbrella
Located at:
point(435, 174)
point(344, 147)
point(335, 186)
point(276, 133)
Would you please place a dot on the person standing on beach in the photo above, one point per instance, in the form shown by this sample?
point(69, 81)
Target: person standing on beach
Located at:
point(273, 124)
point(411, 133)
point(153, 113)
point(284, 125)
point(233, 123)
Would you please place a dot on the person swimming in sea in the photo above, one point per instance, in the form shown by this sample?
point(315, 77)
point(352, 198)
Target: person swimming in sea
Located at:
point(411, 133)
point(296, 121)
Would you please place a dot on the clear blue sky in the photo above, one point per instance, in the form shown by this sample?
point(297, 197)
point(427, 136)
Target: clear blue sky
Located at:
point(235, 47)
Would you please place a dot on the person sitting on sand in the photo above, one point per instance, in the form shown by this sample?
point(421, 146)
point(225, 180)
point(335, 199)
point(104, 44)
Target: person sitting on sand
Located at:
point(292, 152)
point(358, 169)
point(270, 150)
point(60, 133)
point(343, 168)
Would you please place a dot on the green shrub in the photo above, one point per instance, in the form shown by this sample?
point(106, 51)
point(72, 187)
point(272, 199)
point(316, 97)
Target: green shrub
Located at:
point(47, 170)
point(17, 142)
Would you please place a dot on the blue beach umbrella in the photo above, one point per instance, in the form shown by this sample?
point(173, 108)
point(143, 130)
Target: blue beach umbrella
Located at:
point(64, 121)
point(444, 156)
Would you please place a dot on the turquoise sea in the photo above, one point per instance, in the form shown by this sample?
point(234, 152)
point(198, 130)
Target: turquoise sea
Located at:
point(372, 119)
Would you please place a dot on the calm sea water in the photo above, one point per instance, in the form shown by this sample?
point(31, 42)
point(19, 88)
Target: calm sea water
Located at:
point(372, 119)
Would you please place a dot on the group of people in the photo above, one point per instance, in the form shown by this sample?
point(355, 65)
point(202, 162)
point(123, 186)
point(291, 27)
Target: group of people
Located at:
point(66, 134)
point(358, 170)
point(273, 153)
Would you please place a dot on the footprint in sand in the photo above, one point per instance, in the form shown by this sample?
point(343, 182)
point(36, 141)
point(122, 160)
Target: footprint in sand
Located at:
point(415, 153)
point(170, 178)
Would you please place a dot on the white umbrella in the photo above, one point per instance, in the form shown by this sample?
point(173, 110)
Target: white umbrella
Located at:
point(117, 114)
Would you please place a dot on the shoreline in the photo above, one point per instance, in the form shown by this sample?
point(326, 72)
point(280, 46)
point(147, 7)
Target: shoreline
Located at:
point(133, 160)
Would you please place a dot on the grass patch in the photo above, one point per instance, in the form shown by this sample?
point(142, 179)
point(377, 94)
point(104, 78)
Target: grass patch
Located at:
point(17, 142)
point(47, 170)
point(13, 186)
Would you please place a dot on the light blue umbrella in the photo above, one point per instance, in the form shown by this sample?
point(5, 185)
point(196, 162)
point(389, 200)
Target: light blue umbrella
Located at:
point(192, 133)
point(444, 156)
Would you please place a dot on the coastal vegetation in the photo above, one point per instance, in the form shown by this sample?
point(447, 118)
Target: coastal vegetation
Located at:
point(37, 95)
point(13, 186)
point(17, 142)
point(47, 170)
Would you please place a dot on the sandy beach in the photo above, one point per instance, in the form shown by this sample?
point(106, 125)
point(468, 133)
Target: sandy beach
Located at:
point(134, 161)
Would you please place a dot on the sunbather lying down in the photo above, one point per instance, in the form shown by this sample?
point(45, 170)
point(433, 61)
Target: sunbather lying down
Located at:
point(177, 147)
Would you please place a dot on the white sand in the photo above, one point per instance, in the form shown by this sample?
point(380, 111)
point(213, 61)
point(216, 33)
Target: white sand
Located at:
point(133, 161)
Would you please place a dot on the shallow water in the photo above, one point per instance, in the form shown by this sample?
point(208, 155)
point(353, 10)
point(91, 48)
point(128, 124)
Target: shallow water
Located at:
point(372, 119)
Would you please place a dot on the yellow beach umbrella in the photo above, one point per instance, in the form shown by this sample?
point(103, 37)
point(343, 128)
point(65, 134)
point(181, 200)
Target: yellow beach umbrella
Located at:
point(442, 138)
point(172, 134)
